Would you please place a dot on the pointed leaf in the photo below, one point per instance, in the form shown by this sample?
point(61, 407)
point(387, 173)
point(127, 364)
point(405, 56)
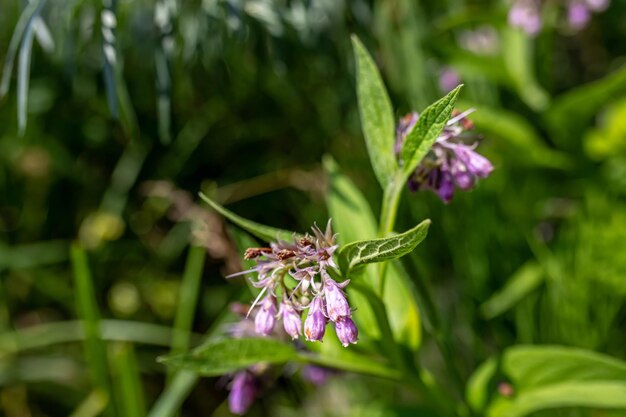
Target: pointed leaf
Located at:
point(426, 131)
point(376, 114)
point(383, 249)
point(229, 355)
point(266, 233)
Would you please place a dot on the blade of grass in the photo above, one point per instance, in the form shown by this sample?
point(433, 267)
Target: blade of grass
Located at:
point(93, 405)
point(188, 299)
point(25, 20)
point(128, 388)
point(109, 54)
point(95, 350)
point(170, 401)
point(23, 75)
point(44, 335)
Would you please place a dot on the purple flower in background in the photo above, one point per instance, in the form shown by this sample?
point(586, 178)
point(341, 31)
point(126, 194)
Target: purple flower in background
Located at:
point(450, 163)
point(578, 15)
point(449, 79)
point(243, 391)
point(597, 5)
point(526, 15)
point(308, 263)
point(317, 375)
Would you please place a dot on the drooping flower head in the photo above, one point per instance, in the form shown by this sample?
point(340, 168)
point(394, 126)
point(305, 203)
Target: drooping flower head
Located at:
point(451, 163)
point(300, 276)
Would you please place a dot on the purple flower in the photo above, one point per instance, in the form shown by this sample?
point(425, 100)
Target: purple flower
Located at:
point(317, 375)
point(446, 186)
point(307, 262)
point(315, 323)
point(449, 79)
point(597, 5)
point(346, 331)
point(336, 303)
point(450, 162)
point(291, 320)
point(242, 393)
point(266, 316)
point(578, 15)
point(525, 14)
point(475, 163)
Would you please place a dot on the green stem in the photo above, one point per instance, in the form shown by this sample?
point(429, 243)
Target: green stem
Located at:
point(391, 201)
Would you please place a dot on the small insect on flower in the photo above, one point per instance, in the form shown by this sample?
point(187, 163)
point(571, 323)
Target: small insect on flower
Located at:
point(301, 276)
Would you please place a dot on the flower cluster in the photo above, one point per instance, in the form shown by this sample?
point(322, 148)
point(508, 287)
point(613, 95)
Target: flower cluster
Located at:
point(450, 162)
point(526, 14)
point(295, 277)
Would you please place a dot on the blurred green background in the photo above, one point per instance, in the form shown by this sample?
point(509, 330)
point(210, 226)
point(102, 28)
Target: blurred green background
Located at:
point(118, 113)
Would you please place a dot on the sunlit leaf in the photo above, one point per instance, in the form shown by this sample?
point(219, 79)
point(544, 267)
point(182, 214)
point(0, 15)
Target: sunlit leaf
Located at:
point(376, 114)
point(548, 377)
point(383, 249)
point(426, 131)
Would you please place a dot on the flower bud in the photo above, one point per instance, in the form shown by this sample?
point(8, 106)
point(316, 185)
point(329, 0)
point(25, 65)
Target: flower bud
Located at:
point(291, 320)
point(315, 323)
point(336, 303)
point(266, 316)
point(242, 393)
point(346, 331)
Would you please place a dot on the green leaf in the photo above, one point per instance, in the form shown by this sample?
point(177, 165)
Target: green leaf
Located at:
point(547, 377)
point(346, 360)
point(426, 131)
point(376, 114)
point(532, 366)
point(263, 232)
point(229, 355)
point(597, 394)
point(525, 280)
point(384, 249)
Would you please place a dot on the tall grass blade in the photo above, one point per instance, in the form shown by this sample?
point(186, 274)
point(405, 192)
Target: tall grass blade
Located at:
point(129, 391)
point(25, 20)
point(23, 75)
point(95, 350)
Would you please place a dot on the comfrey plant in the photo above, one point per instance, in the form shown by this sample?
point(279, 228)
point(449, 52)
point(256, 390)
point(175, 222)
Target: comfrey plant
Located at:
point(303, 281)
point(308, 261)
point(526, 14)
